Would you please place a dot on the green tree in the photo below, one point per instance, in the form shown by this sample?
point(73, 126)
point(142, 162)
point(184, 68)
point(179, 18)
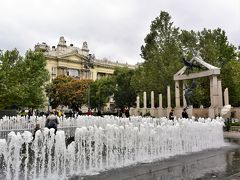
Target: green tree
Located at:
point(231, 74)
point(101, 90)
point(34, 76)
point(215, 49)
point(11, 91)
point(22, 79)
point(124, 94)
point(161, 53)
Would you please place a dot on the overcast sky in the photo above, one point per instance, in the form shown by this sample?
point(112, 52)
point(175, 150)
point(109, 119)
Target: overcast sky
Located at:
point(114, 29)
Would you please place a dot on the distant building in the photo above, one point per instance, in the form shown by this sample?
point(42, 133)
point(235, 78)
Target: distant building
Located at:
point(76, 62)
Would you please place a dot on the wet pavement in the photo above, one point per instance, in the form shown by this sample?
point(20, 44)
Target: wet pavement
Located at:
point(223, 163)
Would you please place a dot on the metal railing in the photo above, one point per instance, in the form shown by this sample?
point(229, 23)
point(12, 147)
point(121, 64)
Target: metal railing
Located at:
point(20, 124)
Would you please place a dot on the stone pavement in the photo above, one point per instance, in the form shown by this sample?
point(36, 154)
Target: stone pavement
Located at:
point(223, 163)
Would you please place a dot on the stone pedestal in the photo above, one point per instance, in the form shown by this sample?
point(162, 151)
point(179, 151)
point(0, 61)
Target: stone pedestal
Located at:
point(160, 112)
point(143, 111)
point(178, 112)
point(168, 111)
point(190, 112)
point(132, 111)
point(211, 112)
point(226, 97)
point(152, 112)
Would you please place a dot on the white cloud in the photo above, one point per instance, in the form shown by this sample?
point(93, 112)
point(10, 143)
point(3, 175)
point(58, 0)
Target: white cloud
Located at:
point(113, 28)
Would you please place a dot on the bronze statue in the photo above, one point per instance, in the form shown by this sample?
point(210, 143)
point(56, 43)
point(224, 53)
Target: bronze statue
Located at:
point(189, 92)
point(189, 64)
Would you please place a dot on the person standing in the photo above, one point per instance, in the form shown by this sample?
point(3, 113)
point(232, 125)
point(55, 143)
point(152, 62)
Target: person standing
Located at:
point(127, 112)
point(89, 113)
point(52, 121)
point(99, 113)
point(171, 115)
point(37, 127)
point(70, 113)
point(184, 114)
point(123, 113)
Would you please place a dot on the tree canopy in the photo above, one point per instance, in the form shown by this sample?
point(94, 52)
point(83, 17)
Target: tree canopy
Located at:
point(22, 79)
point(67, 91)
point(117, 86)
point(163, 52)
point(124, 94)
point(101, 91)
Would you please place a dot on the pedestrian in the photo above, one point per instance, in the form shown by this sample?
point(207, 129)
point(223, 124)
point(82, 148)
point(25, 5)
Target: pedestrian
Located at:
point(127, 113)
point(70, 113)
point(52, 121)
point(123, 110)
point(171, 115)
point(184, 114)
point(89, 113)
point(99, 113)
point(37, 113)
point(59, 113)
point(30, 113)
point(37, 127)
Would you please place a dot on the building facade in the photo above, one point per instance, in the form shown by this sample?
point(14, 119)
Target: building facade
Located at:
point(76, 62)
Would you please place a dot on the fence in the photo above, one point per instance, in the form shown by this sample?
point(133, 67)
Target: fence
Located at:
point(21, 124)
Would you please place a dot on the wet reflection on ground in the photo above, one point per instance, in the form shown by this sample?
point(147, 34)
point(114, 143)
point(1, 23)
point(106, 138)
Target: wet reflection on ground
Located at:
point(221, 163)
point(232, 158)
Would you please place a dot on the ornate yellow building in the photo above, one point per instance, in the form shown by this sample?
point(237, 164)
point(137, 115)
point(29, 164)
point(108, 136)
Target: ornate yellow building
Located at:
point(78, 63)
point(74, 61)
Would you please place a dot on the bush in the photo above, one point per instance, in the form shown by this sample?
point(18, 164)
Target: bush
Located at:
point(235, 124)
point(147, 114)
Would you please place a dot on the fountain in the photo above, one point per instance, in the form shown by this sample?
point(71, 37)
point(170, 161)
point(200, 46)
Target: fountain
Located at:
point(104, 143)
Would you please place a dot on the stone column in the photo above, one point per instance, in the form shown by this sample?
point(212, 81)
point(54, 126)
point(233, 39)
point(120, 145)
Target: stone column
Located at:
point(220, 99)
point(177, 94)
point(168, 97)
point(226, 97)
point(138, 102)
point(152, 110)
point(184, 100)
point(144, 100)
point(215, 91)
point(160, 100)
point(213, 110)
point(152, 99)
point(211, 91)
point(160, 108)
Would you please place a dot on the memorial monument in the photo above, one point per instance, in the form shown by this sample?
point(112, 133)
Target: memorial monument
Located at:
point(208, 70)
